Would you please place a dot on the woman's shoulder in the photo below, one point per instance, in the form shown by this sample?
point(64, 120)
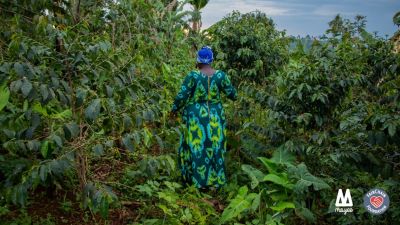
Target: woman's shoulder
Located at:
point(197, 74)
point(194, 73)
point(220, 74)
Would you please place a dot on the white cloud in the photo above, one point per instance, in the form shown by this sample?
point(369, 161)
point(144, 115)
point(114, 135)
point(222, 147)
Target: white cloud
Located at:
point(216, 10)
point(307, 16)
point(330, 11)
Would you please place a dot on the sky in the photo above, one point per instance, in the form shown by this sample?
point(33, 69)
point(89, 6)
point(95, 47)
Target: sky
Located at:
point(309, 16)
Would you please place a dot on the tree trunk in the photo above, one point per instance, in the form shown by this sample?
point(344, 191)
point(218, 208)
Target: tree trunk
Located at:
point(171, 6)
point(195, 26)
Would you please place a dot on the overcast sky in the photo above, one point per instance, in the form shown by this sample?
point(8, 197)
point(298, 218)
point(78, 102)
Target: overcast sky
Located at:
point(309, 16)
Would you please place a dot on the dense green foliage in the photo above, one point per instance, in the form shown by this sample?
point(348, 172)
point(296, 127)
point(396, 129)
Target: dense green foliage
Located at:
point(86, 87)
point(248, 56)
point(336, 108)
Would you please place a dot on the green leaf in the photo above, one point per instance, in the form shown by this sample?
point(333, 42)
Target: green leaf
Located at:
point(26, 87)
point(148, 115)
point(43, 170)
point(66, 114)
point(104, 206)
point(255, 175)
point(128, 143)
point(80, 96)
point(44, 91)
point(147, 135)
point(15, 86)
point(37, 107)
point(283, 156)
point(159, 141)
point(152, 221)
point(256, 202)
point(25, 105)
point(5, 68)
point(19, 69)
point(4, 96)
point(93, 110)
point(127, 120)
point(236, 206)
point(136, 137)
point(44, 148)
point(33, 145)
point(273, 222)
point(280, 206)
point(305, 213)
point(71, 130)
point(280, 180)
point(306, 179)
point(19, 194)
point(98, 150)
point(165, 209)
point(57, 140)
point(391, 128)
point(270, 165)
point(109, 91)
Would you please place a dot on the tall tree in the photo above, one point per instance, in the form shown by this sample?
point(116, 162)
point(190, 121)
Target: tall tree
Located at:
point(196, 17)
point(396, 19)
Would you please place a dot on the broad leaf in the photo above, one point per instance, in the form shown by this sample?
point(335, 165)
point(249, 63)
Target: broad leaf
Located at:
point(283, 156)
point(255, 175)
point(305, 213)
point(57, 140)
point(238, 205)
point(280, 206)
point(26, 87)
point(280, 180)
point(128, 143)
point(93, 110)
point(306, 179)
point(270, 165)
point(19, 69)
point(4, 96)
point(71, 130)
point(44, 148)
point(98, 150)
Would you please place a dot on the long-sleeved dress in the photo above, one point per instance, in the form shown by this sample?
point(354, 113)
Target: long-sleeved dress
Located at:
point(203, 144)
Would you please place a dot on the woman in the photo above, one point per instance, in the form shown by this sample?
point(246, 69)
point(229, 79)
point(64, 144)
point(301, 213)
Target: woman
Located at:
point(203, 144)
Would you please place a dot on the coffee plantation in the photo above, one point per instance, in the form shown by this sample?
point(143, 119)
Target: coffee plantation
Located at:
point(86, 88)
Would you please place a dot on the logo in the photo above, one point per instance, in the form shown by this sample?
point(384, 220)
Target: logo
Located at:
point(344, 203)
point(376, 201)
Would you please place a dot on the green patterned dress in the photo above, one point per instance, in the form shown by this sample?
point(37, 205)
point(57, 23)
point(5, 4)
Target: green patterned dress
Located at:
point(203, 144)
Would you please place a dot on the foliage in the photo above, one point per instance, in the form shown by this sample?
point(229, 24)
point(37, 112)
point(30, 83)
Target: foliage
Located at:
point(396, 19)
point(86, 87)
point(73, 89)
point(242, 202)
point(248, 55)
point(196, 15)
point(283, 189)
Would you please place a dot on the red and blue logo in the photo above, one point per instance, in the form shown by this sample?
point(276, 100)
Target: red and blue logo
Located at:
point(376, 201)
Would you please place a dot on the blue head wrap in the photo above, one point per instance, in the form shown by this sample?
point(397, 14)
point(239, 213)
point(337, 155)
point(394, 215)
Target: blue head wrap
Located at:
point(205, 55)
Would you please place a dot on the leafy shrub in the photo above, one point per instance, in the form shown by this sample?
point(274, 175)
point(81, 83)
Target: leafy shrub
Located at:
point(284, 188)
point(245, 55)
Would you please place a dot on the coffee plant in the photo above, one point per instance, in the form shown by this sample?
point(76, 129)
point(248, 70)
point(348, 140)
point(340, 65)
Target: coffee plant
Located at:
point(86, 89)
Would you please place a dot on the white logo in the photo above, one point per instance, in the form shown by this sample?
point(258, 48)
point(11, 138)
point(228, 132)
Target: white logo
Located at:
point(344, 203)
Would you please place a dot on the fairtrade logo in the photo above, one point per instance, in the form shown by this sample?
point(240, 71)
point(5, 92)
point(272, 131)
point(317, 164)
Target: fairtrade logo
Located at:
point(344, 203)
point(376, 201)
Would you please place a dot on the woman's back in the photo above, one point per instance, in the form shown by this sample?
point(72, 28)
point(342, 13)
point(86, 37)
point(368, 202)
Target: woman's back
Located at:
point(203, 142)
point(200, 88)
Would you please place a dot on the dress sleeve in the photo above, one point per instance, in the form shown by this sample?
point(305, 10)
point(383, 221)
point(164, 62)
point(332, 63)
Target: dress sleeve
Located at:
point(184, 93)
point(228, 88)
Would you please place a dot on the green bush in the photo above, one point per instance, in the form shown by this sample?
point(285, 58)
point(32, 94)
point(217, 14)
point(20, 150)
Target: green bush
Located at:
point(248, 46)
